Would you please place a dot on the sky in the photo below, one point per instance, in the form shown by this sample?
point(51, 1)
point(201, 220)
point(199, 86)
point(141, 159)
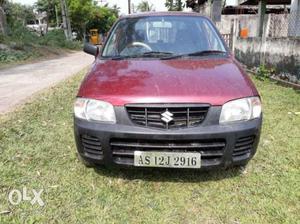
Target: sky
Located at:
point(159, 5)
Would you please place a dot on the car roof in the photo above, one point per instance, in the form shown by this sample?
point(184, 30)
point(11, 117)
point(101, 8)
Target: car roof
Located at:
point(174, 13)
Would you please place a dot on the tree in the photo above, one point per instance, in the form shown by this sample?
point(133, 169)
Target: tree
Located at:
point(174, 5)
point(144, 6)
point(18, 14)
point(195, 4)
point(102, 19)
point(169, 4)
point(179, 5)
point(2, 18)
point(116, 10)
point(80, 14)
point(50, 7)
point(66, 20)
point(85, 15)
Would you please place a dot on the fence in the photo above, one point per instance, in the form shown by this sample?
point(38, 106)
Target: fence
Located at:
point(278, 48)
point(275, 25)
point(283, 25)
point(294, 23)
point(228, 39)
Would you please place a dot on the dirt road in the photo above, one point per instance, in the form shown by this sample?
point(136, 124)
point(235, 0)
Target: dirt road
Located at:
point(20, 82)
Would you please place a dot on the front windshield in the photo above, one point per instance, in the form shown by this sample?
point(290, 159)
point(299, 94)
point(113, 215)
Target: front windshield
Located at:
point(162, 35)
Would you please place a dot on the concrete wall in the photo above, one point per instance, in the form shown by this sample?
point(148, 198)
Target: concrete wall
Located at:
point(242, 21)
point(275, 25)
point(282, 54)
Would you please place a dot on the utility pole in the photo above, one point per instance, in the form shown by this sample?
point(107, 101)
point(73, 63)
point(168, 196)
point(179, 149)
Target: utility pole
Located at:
point(216, 11)
point(129, 6)
point(262, 7)
point(66, 20)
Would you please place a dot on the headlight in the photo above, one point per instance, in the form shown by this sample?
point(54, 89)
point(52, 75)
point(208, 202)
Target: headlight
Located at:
point(94, 110)
point(241, 110)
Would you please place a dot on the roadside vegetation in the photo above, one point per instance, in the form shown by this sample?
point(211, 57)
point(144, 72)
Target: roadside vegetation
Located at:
point(22, 45)
point(37, 151)
point(21, 42)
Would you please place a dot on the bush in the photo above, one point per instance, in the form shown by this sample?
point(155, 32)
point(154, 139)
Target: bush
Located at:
point(22, 44)
point(56, 38)
point(14, 56)
point(2, 38)
point(264, 73)
point(21, 35)
point(53, 38)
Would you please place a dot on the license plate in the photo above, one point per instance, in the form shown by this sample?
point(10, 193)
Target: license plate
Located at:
point(167, 159)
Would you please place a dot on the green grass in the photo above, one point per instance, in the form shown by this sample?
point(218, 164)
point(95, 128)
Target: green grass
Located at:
point(37, 151)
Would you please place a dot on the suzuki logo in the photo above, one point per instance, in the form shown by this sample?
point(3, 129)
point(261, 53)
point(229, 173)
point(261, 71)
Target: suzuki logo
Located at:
point(167, 116)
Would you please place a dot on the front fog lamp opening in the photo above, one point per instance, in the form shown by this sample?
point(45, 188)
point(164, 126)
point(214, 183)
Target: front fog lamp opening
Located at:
point(240, 110)
point(94, 110)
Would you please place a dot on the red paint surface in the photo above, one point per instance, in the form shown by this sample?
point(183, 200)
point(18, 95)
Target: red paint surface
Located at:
point(211, 80)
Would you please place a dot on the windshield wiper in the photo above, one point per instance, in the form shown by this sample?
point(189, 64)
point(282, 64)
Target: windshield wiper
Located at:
point(156, 53)
point(151, 54)
point(120, 57)
point(197, 53)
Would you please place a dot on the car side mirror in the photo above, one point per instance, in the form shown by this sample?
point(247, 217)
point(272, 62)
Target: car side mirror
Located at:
point(91, 49)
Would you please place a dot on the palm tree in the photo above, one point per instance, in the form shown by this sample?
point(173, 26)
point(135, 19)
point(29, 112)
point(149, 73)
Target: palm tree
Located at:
point(170, 5)
point(144, 6)
point(195, 4)
point(174, 5)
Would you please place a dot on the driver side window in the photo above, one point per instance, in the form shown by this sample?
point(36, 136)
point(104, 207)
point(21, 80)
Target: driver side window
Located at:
point(110, 47)
point(118, 41)
point(212, 41)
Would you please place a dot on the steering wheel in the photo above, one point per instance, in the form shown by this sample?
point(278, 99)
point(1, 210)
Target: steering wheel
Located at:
point(140, 44)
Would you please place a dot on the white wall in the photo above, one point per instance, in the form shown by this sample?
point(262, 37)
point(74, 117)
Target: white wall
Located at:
point(282, 54)
point(276, 25)
point(243, 21)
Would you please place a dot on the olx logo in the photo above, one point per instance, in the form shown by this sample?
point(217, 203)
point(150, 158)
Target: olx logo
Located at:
point(15, 197)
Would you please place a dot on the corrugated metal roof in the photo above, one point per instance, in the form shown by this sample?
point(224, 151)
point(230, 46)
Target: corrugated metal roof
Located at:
point(269, 2)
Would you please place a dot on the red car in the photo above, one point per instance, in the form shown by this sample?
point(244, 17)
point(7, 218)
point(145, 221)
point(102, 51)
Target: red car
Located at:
point(165, 91)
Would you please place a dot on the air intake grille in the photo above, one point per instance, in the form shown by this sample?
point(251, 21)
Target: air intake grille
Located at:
point(91, 146)
point(211, 150)
point(170, 117)
point(243, 146)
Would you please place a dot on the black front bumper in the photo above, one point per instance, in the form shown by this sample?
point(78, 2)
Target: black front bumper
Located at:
point(113, 144)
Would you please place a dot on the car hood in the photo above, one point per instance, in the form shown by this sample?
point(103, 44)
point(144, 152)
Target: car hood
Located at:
point(213, 81)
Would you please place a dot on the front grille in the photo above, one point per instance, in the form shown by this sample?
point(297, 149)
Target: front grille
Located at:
point(243, 146)
point(91, 146)
point(211, 150)
point(181, 116)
